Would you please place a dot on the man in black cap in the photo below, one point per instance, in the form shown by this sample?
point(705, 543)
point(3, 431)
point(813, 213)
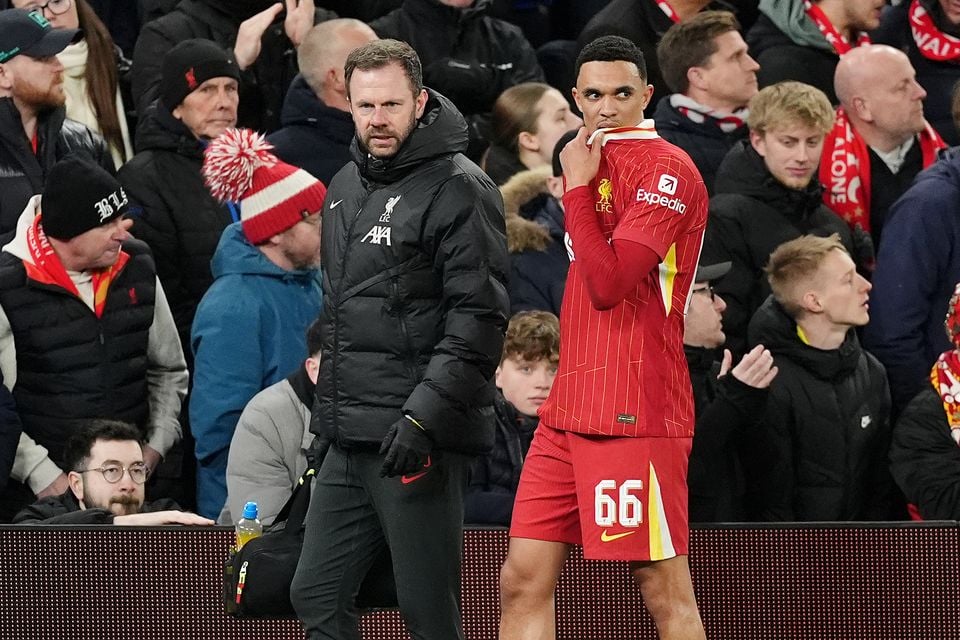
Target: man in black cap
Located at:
point(727, 403)
point(85, 330)
point(34, 132)
point(179, 219)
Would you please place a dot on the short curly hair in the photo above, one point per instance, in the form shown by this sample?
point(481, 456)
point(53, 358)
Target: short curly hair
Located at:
point(533, 336)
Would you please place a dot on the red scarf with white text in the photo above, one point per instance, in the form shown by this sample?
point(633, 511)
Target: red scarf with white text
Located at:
point(932, 43)
point(46, 268)
point(836, 39)
point(845, 169)
point(945, 375)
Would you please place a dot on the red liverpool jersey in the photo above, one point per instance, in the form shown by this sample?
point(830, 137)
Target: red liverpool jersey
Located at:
point(622, 371)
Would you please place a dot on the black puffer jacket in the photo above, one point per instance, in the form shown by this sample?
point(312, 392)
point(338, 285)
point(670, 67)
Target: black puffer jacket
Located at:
point(314, 137)
point(22, 173)
point(262, 85)
point(751, 214)
point(494, 478)
point(706, 143)
point(822, 451)
point(925, 459)
point(467, 55)
point(179, 220)
point(414, 286)
point(65, 509)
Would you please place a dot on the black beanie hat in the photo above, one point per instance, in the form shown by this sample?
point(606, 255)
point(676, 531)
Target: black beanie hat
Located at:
point(79, 195)
point(191, 63)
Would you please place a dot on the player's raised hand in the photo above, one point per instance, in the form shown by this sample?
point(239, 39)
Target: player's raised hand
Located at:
point(580, 162)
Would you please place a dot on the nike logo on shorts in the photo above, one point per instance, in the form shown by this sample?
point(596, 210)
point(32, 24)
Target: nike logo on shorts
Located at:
point(413, 477)
point(610, 537)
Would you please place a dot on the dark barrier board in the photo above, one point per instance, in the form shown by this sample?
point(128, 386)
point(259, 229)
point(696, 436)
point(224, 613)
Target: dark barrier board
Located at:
point(871, 582)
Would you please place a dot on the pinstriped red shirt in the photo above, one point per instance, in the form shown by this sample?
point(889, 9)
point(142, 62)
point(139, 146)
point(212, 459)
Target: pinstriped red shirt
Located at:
point(622, 371)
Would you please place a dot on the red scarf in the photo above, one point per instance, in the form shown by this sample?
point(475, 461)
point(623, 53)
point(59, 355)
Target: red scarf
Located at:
point(836, 39)
point(845, 169)
point(945, 375)
point(932, 43)
point(46, 268)
point(667, 9)
point(698, 113)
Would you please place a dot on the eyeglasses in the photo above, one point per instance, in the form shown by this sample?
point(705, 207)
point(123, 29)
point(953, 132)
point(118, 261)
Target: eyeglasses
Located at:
point(56, 7)
point(113, 472)
point(708, 291)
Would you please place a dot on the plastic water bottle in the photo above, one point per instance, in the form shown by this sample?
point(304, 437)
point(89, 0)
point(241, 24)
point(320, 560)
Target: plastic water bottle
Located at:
point(248, 527)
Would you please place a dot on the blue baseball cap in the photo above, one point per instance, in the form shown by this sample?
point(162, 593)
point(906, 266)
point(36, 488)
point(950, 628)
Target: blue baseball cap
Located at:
point(30, 34)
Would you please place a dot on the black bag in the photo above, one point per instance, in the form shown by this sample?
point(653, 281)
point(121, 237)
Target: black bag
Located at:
point(257, 578)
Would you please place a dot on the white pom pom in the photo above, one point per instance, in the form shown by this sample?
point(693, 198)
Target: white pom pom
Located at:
point(231, 159)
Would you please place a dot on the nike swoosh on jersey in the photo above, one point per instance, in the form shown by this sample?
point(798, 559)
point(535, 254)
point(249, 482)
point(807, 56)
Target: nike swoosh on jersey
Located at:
point(610, 537)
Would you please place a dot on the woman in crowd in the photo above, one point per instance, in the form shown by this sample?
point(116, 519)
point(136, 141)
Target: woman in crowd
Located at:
point(527, 121)
point(90, 72)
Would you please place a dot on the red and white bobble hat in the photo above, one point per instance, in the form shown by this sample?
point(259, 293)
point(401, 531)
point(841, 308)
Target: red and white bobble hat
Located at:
point(273, 195)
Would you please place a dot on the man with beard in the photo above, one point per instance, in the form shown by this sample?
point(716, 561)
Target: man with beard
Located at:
point(415, 309)
point(249, 329)
point(260, 40)
point(34, 131)
point(106, 475)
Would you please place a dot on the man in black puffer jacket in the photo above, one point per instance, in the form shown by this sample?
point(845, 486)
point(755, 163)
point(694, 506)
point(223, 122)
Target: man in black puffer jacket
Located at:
point(766, 193)
point(821, 453)
point(264, 50)
point(34, 131)
point(414, 312)
point(179, 219)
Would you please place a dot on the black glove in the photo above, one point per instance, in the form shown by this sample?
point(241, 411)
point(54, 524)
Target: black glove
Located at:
point(317, 452)
point(407, 447)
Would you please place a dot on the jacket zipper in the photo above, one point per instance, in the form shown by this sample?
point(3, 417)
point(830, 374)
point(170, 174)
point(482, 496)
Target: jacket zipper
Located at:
point(408, 356)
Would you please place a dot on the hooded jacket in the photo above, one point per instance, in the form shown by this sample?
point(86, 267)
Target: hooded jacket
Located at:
point(788, 46)
point(262, 85)
point(824, 440)
point(249, 333)
point(535, 232)
point(22, 173)
point(178, 218)
point(314, 137)
point(917, 267)
point(751, 214)
point(415, 301)
point(706, 143)
point(467, 55)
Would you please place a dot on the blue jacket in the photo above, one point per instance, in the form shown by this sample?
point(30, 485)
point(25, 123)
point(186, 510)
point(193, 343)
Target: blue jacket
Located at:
point(247, 335)
point(917, 267)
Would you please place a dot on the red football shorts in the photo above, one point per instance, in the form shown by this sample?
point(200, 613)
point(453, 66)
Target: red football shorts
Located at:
point(621, 498)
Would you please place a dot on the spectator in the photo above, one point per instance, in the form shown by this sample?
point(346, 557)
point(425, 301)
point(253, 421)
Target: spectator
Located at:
point(880, 140)
point(261, 43)
point(85, 330)
point(826, 432)
point(766, 193)
point(34, 132)
point(415, 306)
point(317, 129)
point(728, 404)
point(527, 368)
point(268, 452)
point(643, 22)
point(266, 291)
point(705, 61)
point(467, 55)
point(527, 121)
point(917, 267)
point(179, 218)
point(924, 454)
point(928, 31)
point(107, 472)
point(803, 40)
point(90, 73)
point(10, 430)
point(535, 235)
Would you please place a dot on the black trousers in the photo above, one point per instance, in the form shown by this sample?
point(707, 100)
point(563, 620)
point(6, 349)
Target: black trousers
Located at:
point(353, 514)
